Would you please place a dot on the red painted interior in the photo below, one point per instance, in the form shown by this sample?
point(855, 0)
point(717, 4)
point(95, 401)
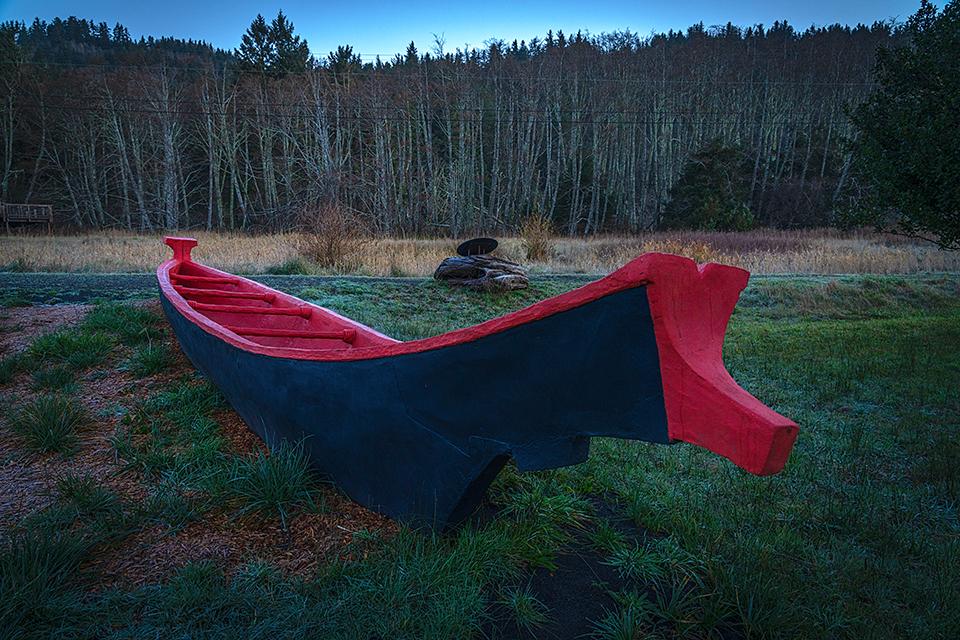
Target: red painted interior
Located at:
point(690, 306)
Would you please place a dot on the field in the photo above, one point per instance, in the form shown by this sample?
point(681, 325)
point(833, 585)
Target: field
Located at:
point(822, 251)
point(133, 503)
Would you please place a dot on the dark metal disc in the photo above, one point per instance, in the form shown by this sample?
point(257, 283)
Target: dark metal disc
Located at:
point(477, 247)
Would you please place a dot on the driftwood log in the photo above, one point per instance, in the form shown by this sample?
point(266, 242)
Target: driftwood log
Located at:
point(482, 272)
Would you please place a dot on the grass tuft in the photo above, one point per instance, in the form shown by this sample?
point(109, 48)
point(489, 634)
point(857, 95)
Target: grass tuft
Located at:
point(50, 423)
point(13, 365)
point(272, 485)
point(37, 572)
point(77, 349)
point(54, 378)
point(87, 496)
point(131, 324)
point(529, 613)
point(149, 360)
point(295, 266)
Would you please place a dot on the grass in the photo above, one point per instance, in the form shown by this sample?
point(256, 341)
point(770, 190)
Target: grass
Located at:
point(150, 359)
point(78, 350)
point(85, 496)
point(11, 366)
point(54, 378)
point(272, 485)
point(39, 575)
point(529, 613)
point(49, 423)
point(761, 251)
point(857, 538)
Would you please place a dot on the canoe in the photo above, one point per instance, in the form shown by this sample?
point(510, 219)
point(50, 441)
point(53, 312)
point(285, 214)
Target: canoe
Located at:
point(418, 430)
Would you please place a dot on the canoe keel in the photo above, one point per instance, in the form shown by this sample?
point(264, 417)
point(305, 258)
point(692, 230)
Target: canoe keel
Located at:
point(638, 358)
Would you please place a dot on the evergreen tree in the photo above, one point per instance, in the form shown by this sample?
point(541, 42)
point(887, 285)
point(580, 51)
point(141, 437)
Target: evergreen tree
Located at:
point(256, 52)
point(412, 57)
point(290, 53)
point(343, 61)
point(908, 149)
point(713, 192)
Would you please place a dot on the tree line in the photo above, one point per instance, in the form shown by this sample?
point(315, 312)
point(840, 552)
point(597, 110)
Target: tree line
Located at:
point(592, 132)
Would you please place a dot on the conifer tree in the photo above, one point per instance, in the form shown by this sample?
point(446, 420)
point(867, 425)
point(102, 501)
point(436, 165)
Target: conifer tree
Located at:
point(290, 53)
point(256, 52)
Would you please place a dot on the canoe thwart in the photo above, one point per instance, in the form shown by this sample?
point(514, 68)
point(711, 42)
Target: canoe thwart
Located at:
point(303, 312)
point(347, 335)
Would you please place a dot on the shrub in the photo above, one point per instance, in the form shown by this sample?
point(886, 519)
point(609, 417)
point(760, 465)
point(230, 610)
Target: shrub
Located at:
point(49, 423)
point(536, 237)
point(331, 237)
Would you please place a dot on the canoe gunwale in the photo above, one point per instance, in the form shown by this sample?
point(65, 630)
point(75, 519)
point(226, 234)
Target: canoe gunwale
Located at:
point(634, 274)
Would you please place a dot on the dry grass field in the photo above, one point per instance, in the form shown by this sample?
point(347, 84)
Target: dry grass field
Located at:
point(821, 251)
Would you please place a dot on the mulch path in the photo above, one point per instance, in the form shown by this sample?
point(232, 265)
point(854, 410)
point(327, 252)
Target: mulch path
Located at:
point(19, 326)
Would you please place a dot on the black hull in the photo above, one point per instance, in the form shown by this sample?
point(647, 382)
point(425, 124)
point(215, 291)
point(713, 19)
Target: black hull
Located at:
point(406, 436)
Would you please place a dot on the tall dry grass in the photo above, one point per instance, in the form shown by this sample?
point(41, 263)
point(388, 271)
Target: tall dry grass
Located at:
point(761, 252)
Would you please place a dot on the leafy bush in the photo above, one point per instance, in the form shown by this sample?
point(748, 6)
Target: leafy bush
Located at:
point(907, 147)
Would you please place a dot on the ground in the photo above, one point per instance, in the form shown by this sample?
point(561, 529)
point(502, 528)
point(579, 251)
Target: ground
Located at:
point(158, 514)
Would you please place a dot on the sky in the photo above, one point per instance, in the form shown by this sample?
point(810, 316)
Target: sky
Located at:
point(376, 27)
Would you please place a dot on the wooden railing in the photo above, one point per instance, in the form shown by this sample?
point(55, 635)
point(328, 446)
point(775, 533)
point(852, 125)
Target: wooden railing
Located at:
point(11, 214)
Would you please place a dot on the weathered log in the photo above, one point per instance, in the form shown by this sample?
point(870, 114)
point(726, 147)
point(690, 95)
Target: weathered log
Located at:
point(482, 272)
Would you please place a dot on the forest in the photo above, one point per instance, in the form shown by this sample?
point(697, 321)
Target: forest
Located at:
point(593, 133)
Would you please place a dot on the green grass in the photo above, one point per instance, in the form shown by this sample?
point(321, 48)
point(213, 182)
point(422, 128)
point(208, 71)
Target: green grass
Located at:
point(529, 613)
point(292, 267)
point(54, 378)
point(11, 366)
point(77, 349)
point(49, 423)
point(12, 300)
point(149, 360)
point(129, 324)
point(39, 576)
point(857, 538)
point(86, 497)
point(272, 485)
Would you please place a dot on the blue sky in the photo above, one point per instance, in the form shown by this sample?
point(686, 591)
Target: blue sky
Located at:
point(377, 27)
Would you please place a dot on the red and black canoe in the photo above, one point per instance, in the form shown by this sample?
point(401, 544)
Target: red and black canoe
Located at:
point(634, 355)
